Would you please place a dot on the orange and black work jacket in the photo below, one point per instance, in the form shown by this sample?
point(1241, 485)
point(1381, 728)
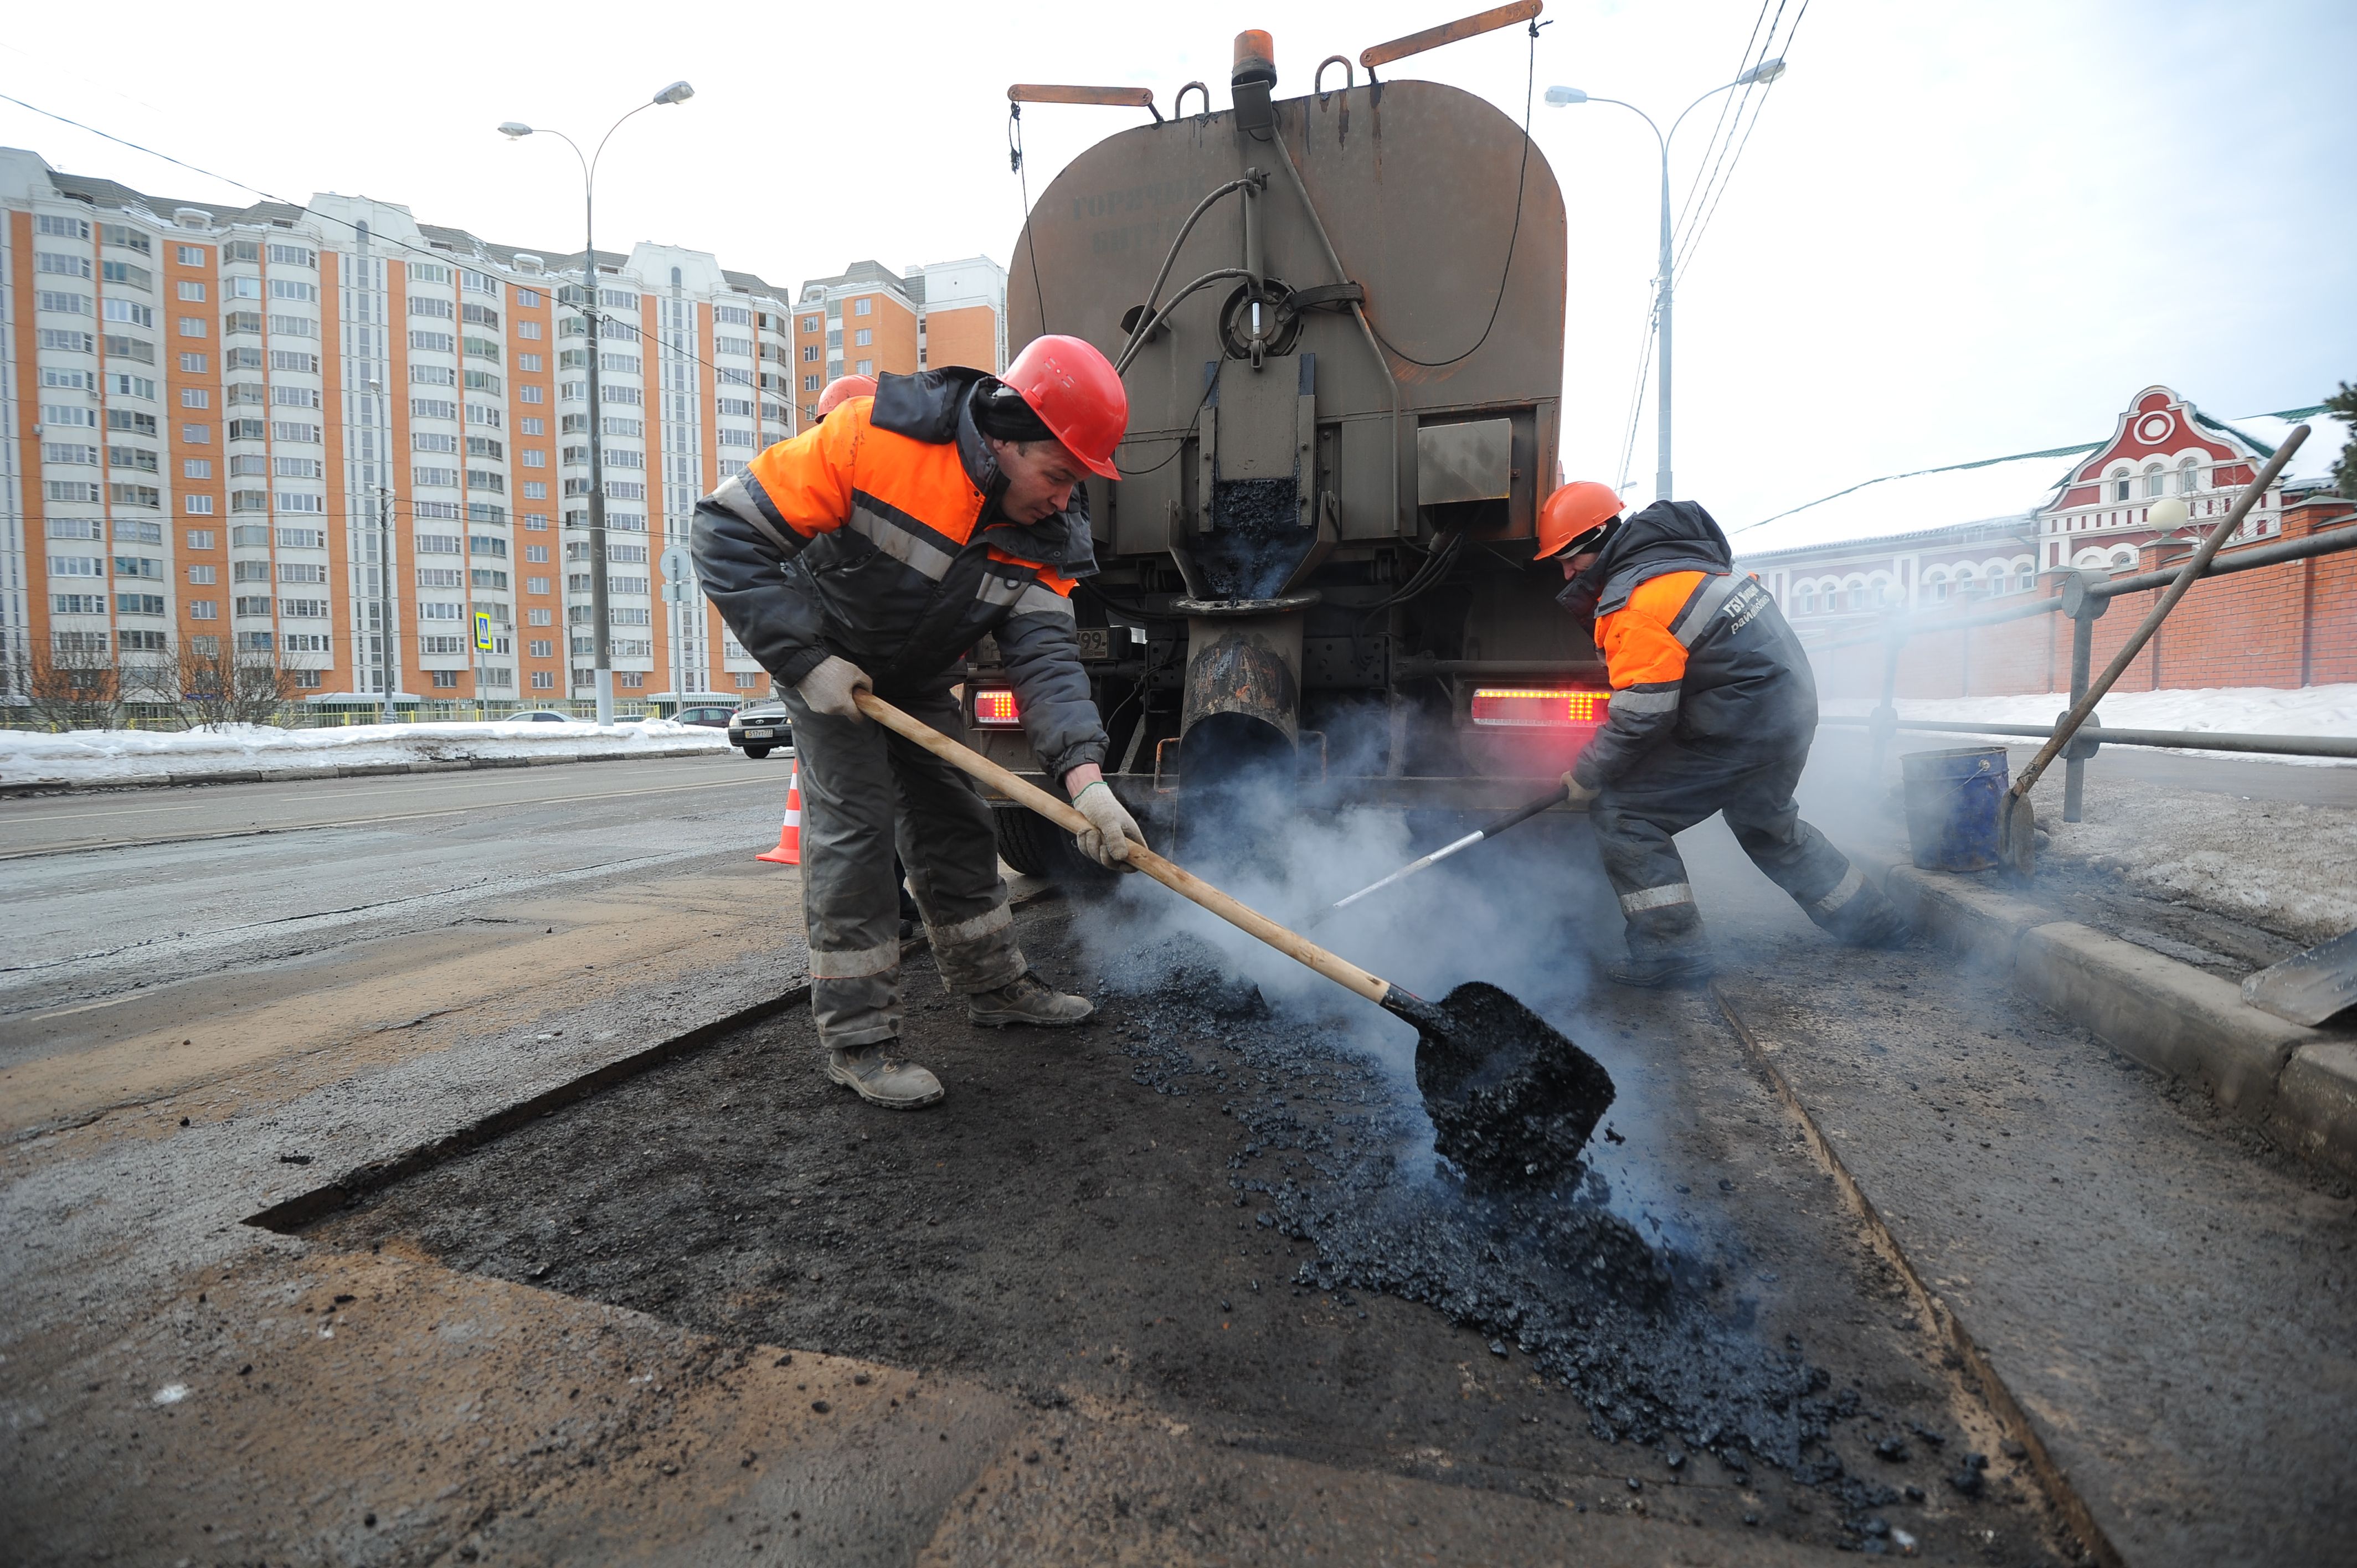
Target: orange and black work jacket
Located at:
point(877, 536)
point(1699, 656)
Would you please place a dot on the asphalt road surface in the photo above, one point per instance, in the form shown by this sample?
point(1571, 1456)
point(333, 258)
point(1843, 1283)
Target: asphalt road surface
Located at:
point(159, 935)
point(717, 1306)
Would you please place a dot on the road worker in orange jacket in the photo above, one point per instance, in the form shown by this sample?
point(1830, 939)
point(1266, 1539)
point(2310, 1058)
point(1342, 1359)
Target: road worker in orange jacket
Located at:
point(1714, 709)
point(870, 553)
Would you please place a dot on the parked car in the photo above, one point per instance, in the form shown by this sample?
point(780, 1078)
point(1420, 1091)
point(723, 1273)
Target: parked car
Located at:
point(760, 728)
point(709, 717)
point(542, 716)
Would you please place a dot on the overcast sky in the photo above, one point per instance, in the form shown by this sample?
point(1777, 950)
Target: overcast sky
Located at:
point(1958, 233)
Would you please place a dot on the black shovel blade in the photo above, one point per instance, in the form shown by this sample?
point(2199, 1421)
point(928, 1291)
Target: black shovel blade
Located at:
point(1512, 1099)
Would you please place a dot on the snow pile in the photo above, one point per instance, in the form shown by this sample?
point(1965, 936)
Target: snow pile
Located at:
point(122, 755)
point(2283, 865)
point(2239, 710)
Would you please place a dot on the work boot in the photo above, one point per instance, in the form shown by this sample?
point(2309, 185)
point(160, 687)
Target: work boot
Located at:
point(1867, 919)
point(1027, 999)
point(881, 1079)
point(1674, 969)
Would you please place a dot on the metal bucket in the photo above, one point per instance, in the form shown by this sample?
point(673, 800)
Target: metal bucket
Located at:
point(1952, 806)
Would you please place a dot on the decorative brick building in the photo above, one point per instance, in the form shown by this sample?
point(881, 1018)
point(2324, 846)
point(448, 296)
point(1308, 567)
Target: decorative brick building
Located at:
point(2012, 526)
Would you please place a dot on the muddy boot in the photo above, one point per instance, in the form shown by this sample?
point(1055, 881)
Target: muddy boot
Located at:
point(1676, 969)
point(881, 1079)
point(1027, 999)
point(1861, 916)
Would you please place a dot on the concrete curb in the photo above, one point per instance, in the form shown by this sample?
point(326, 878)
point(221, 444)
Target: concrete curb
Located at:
point(344, 770)
point(2296, 1083)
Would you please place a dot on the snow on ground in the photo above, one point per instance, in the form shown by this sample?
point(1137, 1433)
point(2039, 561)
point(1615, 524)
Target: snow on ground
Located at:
point(124, 757)
point(2281, 866)
point(2242, 710)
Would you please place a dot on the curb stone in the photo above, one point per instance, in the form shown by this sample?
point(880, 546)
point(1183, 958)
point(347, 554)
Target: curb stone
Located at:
point(2299, 1084)
point(341, 770)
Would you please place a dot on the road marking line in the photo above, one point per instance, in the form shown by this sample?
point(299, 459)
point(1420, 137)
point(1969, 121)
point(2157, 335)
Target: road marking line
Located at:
point(125, 812)
point(87, 1006)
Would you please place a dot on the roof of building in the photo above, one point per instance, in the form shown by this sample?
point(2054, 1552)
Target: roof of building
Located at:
point(1992, 490)
point(459, 245)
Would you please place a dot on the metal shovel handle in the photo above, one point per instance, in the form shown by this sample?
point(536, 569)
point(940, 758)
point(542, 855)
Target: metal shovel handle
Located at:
point(1179, 880)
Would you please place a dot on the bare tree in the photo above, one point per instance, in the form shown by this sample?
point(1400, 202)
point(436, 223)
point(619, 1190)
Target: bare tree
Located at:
point(73, 683)
point(221, 685)
point(208, 680)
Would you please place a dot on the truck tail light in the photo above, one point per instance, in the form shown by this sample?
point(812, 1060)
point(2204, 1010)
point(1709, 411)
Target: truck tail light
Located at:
point(1537, 707)
point(994, 708)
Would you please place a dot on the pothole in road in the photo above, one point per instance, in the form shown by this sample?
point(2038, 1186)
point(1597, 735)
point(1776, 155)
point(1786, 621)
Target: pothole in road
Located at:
point(1233, 1218)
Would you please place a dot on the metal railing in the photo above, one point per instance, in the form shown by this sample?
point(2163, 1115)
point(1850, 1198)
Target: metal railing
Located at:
point(2093, 737)
point(2085, 595)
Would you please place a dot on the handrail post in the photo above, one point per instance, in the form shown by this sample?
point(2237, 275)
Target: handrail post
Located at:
point(1885, 726)
point(2085, 609)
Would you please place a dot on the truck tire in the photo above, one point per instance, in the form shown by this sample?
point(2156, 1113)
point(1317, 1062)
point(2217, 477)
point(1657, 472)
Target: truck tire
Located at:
point(1036, 847)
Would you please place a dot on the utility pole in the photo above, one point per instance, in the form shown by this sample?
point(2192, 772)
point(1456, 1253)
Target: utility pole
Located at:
point(600, 634)
point(1765, 72)
point(387, 668)
point(1664, 280)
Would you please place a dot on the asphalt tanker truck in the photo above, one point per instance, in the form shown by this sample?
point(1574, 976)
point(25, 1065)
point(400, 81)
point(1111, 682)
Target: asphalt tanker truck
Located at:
point(1339, 319)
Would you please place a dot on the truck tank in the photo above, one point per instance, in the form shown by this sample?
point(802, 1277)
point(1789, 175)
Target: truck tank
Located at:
point(1339, 320)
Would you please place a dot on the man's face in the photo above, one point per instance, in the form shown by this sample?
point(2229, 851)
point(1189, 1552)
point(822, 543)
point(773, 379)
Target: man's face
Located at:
point(1573, 565)
point(1040, 478)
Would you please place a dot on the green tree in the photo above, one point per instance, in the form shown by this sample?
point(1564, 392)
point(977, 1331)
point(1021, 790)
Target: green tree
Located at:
point(2343, 405)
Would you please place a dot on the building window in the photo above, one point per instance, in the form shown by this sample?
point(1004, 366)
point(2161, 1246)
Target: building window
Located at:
point(2188, 476)
point(1936, 589)
point(2120, 484)
point(863, 308)
point(865, 336)
point(2154, 480)
point(867, 366)
point(446, 679)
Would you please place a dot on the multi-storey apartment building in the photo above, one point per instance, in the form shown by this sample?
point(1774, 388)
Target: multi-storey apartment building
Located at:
point(868, 319)
point(361, 443)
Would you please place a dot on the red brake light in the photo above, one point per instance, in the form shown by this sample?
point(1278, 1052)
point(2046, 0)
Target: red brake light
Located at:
point(1535, 707)
point(994, 708)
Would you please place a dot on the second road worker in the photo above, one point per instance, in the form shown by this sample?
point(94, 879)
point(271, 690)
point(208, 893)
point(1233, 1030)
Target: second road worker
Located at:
point(1714, 709)
point(870, 553)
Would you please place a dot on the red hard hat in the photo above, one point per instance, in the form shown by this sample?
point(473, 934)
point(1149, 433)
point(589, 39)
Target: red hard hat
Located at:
point(841, 390)
point(1074, 391)
point(1575, 513)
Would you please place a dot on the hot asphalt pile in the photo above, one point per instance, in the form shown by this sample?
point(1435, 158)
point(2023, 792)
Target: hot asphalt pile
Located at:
point(1237, 1226)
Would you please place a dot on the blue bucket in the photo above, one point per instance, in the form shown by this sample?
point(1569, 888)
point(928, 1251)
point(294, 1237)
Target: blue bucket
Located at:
point(1952, 806)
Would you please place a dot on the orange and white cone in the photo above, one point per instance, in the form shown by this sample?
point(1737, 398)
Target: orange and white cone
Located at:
point(789, 837)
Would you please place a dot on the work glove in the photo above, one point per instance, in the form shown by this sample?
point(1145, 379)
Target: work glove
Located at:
point(1111, 827)
point(1576, 792)
point(827, 688)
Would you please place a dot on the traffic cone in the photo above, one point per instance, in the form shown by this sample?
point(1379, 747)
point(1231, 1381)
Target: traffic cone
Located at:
point(789, 837)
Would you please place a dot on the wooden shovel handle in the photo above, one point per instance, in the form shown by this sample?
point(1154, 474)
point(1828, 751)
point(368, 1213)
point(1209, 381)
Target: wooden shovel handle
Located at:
point(1179, 880)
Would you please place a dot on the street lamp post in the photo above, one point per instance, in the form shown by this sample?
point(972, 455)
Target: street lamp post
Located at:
point(386, 664)
point(1766, 72)
point(601, 636)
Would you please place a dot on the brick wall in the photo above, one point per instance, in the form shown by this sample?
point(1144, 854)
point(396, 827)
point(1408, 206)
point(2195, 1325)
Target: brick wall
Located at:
point(2289, 625)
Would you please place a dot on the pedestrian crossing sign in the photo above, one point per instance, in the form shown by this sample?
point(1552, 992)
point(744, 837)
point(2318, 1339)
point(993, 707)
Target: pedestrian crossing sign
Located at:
point(483, 630)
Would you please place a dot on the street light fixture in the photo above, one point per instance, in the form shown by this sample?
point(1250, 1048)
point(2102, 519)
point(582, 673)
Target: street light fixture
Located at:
point(601, 635)
point(1765, 72)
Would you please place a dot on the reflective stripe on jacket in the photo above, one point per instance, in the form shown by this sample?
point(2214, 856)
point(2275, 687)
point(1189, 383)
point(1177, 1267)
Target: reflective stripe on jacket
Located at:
point(1706, 656)
point(877, 536)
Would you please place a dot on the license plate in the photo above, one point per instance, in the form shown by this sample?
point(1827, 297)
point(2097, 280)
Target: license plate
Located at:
point(759, 734)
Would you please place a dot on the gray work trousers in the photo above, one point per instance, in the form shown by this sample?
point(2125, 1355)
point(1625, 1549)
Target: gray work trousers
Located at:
point(857, 779)
point(1674, 787)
